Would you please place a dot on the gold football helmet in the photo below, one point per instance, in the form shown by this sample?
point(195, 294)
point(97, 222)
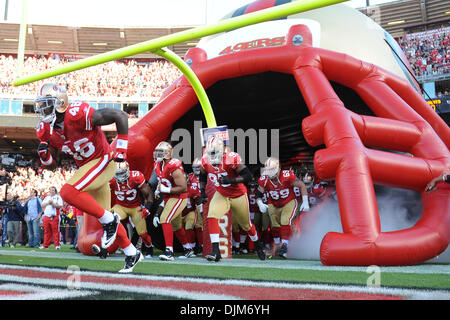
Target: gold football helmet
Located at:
point(196, 165)
point(163, 151)
point(308, 180)
point(214, 150)
point(122, 172)
point(51, 97)
point(271, 168)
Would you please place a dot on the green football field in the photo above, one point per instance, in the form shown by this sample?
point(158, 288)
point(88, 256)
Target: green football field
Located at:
point(424, 281)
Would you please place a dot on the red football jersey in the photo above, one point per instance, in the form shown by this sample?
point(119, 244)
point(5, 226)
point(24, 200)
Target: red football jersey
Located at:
point(281, 192)
point(80, 138)
point(230, 162)
point(193, 187)
point(127, 194)
point(251, 193)
point(164, 174)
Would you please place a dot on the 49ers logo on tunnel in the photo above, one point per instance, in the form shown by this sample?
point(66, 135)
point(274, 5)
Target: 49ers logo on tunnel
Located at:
point(254, 44)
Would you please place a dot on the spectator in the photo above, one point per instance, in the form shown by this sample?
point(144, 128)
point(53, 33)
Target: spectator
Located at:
point(33, 208)
point(15, 217)
point(51, 205)
point(428, 52)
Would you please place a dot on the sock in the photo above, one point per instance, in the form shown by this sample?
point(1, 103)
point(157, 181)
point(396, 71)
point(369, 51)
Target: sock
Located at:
point(236, 239)
point(82, 200)
point(168, 234)
point(252, 233)
point(181, 236)
point(190, 236)
point(169, 248)
point(122, 237)
point(130, 250)
point(146, 239)
point(276, 234)
point(214, 230)
point(214, 237)
point(285, 232)
point(242, 238)
point(107, 217)
point(199, 233)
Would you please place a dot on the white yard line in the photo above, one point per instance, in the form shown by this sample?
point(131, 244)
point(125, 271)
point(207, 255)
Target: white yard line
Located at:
point(426, 268)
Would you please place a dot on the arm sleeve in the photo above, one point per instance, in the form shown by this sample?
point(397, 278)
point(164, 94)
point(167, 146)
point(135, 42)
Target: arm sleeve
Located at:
point(246, 175)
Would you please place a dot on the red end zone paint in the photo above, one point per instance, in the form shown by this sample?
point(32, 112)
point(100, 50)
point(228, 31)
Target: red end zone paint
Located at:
point(11, 293)
point(238, 291)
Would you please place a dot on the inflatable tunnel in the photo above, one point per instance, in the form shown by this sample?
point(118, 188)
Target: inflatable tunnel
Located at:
point(347, 98)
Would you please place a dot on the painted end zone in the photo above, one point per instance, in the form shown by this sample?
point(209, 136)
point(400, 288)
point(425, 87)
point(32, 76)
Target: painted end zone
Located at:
point(180, 287)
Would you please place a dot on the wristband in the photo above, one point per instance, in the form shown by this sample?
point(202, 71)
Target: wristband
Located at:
point(305, 198)
point(47, 162)
point(164, 189)
point(122, 142)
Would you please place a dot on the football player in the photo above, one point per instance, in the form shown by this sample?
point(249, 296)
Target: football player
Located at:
point(283, 204)
point(260, 220)
point(229, 175)
point(76, 131)
point(127, 186)
point(172, 186)
point(196, 166)
point(194, 208)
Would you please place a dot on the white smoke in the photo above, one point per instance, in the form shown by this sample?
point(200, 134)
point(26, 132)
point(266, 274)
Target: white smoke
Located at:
point(399, 209)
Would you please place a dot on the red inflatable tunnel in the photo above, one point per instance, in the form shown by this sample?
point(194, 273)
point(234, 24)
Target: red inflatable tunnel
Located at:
point(356, 152)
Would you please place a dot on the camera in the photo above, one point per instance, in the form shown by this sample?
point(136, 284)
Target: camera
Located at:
point(6, 179)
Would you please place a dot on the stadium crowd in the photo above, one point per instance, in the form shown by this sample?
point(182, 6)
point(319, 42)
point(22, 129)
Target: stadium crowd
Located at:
point(112, 79)
point(428, 52)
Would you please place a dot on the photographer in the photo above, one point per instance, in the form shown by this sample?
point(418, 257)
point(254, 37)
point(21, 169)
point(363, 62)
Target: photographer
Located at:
point(14, 212)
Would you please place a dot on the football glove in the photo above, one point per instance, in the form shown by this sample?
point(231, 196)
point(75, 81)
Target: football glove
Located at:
point(305, 204)
point(262, 206)
point(44, 153)
point(144, 213)
point(226, 180)
point(156, 221)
